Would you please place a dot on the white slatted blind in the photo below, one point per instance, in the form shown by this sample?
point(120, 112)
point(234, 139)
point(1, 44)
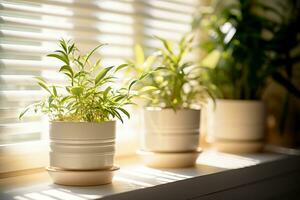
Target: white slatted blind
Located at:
point(29, 29)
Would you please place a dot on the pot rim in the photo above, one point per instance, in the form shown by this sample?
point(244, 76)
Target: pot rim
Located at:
point(239, 100)
point(152, 108)
point(80, 122)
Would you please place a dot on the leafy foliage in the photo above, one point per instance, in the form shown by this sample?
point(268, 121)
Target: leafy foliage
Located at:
point(247, 43)
point(285, 43)
point(172, 81)
point(88, 95)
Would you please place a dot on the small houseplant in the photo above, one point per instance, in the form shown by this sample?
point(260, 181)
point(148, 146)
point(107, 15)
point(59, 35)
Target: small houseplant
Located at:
point(82, 113)
point(240, 49)
point(172, 105)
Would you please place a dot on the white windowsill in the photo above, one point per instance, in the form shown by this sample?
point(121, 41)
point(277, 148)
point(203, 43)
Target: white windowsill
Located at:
point(133, 178)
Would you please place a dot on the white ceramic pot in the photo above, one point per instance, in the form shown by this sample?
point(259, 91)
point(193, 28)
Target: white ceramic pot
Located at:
point(237, 122)
point(167, 131)
point(82, 145)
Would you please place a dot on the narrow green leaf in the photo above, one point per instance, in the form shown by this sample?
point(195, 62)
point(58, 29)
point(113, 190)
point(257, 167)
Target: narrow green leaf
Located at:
point(121, 66)
point(92, 52)
point(139, 54)
point(119, 97)
point(65, 99)
point(71, 48)
point(106, 91)
point(97, 65)
point(118, 115)
point(78, 61)
point(64, 45)
point(43, 85)
point(59, 57)
point(125, 112)
point(102, 74)
point(67, 68)
point(131, 84)
point(38, 78)
point(81, 73)
point(54, 91)
point(144, 75)
point(24, 111)
point(167, 44)
point(63, 54)
point(147, 89)
point(149, 62)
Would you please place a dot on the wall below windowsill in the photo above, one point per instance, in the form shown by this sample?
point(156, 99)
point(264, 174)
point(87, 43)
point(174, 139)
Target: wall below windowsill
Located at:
point(214, 174)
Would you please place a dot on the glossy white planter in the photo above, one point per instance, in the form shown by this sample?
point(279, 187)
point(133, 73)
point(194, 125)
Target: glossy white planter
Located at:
point(82, 145)
point(167, 131)
point(240, 122)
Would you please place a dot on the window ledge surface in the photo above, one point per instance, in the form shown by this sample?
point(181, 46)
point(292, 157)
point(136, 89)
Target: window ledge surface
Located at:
point(215, 174)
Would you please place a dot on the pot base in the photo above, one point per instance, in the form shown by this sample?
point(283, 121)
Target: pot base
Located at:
point(81, 178)
point(239, 147)
point(169, 160)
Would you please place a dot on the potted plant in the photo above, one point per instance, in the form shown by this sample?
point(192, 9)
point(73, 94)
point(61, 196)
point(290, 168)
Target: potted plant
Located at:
point(82, 117)
point(171, 115)
point(239, 51)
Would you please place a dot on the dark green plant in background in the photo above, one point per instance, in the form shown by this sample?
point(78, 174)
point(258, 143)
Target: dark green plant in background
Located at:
point(88, 95)
point(175, 82)
point(286, 45)
point(251, 42)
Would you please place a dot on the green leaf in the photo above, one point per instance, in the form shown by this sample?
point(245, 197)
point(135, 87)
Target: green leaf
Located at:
point(62, 58)
point(119, 97)
point(63, 54)
point(71, 48)
point(65, 99)
point(167, 44)
point(121, 66)
point(78, 61)
point(97, 65)
point(77, 91)
point(149, 62)
point(24, 111)
point(139, 54)
point(147, 89)
point(64, 45)
point(106, 91)
point(144, 75)
point(125, 112)
point(81, 73)
point(50, 100)
point(92, 52)
point(68, 69)
point(43, 85)
point(131, 84)
point(40, 79)
point(102, 74)
point(118, 115)
point(54, 91)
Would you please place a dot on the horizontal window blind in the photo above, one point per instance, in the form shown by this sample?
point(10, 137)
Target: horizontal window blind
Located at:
point(29, 29)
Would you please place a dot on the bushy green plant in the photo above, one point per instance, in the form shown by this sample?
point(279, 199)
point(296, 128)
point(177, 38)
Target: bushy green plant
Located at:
point(285, 44)
point(174, 81)
point(88, 95)
point(242, 38)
